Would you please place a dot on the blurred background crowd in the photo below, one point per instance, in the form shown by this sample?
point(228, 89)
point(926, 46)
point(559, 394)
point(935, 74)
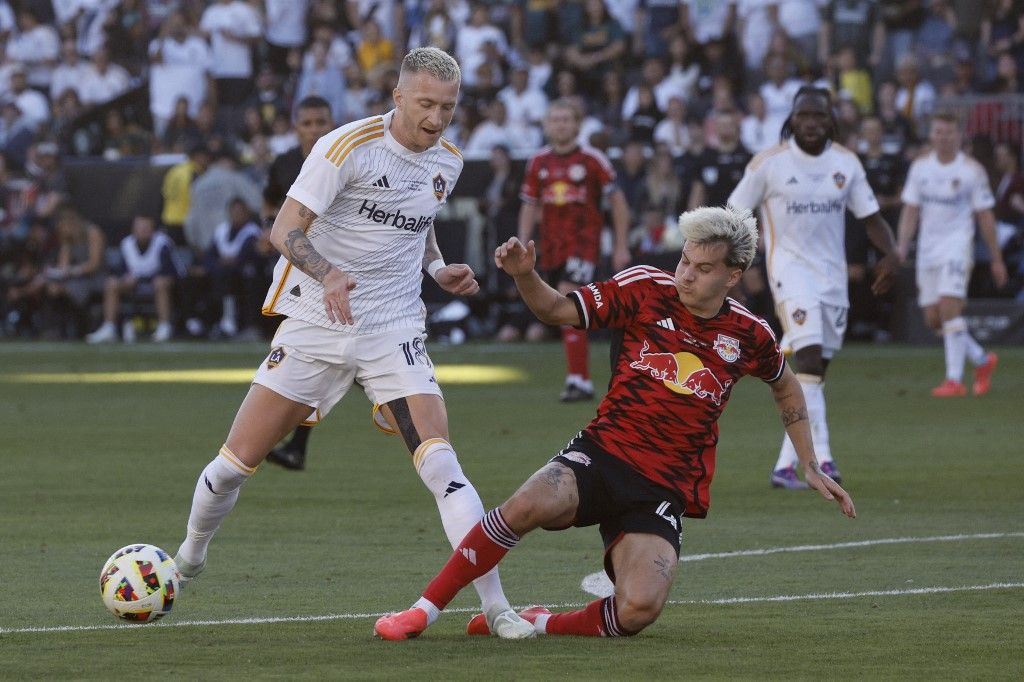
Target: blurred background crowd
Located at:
point(679, 93)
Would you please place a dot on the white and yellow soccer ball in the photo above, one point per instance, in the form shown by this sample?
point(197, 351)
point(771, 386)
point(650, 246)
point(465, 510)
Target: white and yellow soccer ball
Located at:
point(139, 583)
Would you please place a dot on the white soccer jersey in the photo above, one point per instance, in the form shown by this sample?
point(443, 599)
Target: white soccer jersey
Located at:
point(803, 201)
point(949, 195)
point(375, 200)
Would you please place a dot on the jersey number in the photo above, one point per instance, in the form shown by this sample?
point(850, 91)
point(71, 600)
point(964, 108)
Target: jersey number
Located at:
point(415, 351)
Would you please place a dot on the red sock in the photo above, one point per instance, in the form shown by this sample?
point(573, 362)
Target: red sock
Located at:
point(576, 351)
point(598, 619)
point(484, 546)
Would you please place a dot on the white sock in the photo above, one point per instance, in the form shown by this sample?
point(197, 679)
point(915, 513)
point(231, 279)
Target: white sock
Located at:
point(787, 454)
point(215, 496)
point(541, 624)
point(814, 395)
point(427, 607)
point(230, 309)
point(954, 338)
point(459, 505)
point(975, 353)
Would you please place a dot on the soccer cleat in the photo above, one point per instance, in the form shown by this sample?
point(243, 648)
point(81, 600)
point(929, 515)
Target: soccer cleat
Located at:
point(949, 389)
point(478, 624)
point(574, 393)
point(398, 626)
point(983, 374)
point(106, 333)
point(163, 332)
point(288, 457)
point(832, 471)
point(188, 571)
point(787, 478)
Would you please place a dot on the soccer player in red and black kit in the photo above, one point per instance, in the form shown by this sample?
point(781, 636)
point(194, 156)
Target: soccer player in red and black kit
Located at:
point(648, 457)
point(564, 186)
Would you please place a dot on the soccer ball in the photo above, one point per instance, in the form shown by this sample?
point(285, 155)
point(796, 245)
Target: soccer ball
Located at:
point(139, 582)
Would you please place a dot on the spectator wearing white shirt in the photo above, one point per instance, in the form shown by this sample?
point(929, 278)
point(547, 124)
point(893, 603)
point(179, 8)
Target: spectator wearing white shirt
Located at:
point(915, 97)
point(180, 68)
point(32, 103)
point(285, 31)
point(540, 69)
point(672, 131)
point(339, 52)
point(389, 15)
point(37, 46)
point(470, 45)
point(8, 24)
point(524, 105)
point(322, 79)
point(653, 76)
point(755, 29)
point(705, 21)
point(69, 74)
point(756, 132)
point(801, 22)
point(103, 81)
point(491, 132)
point(232, 27)
point(778, 92)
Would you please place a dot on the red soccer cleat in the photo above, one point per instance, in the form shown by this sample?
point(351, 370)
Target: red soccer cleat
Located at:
point(983, 374)
point(404, 625)
point(477, 625)
point(949, 389)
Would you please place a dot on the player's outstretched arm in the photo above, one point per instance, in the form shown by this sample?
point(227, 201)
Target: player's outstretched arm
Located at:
point(880, 234)
point(909, 217)
point(288, 235)
point(548, 305)
point(789, 398)
point(456, 278)
point(987, 229)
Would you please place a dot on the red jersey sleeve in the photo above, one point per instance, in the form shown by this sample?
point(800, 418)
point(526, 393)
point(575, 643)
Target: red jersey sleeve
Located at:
point(603, 170)
point(768, 361)
point(613, 303)
point(530, 189)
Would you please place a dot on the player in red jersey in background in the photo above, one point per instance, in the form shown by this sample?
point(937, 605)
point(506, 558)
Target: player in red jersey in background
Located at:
point(648, 457)
point(564, 187)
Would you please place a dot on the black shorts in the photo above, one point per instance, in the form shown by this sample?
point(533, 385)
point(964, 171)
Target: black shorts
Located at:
point(574, 270)
point(618, 498)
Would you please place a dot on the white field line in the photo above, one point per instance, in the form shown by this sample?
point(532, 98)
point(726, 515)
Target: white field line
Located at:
point(599, 585)
point(358, 616)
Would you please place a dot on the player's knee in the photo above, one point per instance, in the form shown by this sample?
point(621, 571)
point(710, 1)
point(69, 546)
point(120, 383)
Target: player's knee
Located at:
point(523, 513)
point(636, 612)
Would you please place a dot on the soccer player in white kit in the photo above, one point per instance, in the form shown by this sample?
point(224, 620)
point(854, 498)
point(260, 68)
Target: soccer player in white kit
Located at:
point(803, 187)
point(355, 231)
point(945, 192)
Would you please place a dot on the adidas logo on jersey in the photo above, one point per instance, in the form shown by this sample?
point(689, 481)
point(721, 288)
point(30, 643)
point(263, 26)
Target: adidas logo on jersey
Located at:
point(395, 218)
point(383, 182)
point(667, 324)
point(792, 180)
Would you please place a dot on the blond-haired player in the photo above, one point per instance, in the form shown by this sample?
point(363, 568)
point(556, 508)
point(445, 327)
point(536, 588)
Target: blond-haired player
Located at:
point(355, 230)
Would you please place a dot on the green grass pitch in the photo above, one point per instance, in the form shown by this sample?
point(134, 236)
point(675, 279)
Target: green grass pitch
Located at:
point(87, 467)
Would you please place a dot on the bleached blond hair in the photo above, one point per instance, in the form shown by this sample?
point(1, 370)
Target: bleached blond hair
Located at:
point(734, 227)
point(432, 60)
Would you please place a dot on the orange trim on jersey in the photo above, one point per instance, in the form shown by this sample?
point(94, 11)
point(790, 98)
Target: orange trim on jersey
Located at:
point(373, 134)
point(232, 458)
point(268, 310)
point(756, 162)
point(771, 229)
point(347, 136)
point(421, 451)
point(450, 147)
point(313, 419)
point(373, 416)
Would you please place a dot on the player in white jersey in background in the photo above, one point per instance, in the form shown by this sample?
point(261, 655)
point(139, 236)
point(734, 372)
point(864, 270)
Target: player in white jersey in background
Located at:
point(803, 187)
point(355, 231)
point(945, 191)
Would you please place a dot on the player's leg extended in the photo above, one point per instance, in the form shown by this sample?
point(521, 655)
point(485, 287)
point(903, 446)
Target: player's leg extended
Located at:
point(959, 346)
point(548, 498)
point(645, 565)
point(263, 419)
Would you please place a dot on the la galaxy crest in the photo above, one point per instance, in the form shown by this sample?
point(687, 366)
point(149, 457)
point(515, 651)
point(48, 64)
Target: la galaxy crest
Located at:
point(799, 315)
point(275, 358)
point(839, 179)
point(440, 185)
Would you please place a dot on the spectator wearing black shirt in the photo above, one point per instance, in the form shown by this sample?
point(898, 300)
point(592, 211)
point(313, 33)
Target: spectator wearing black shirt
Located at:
point(720, 167)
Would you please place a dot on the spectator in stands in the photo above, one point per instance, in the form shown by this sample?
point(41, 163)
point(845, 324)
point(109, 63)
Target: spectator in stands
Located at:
point(122, 139)
point(683, 71)
point(1002, 30)
point(800, 21)
point(8, 23)
point(47, 189)
point(757, 21)
point(16, 134)
point(1009, 209)
point(177, 192)
point(181, 133)
point(232, 28)
point(778, 92)
point(652, 76)
point(472, 40)
point(32, 103)
point(899, 131)
point(757, 131)
point(389, 16)
point(126, 34)
point(146, 271)
point(935, 40)
point(74, 277)
point(645, 117)
point(72, 138)
point(69, 74)
point(596, 49)
point(720, 168)
point(673, 131)
point(632, 179)
point(664, 192)
point(282, 136)
point(285, 31)
point(901, 20)
point(208, 203)
point(22, 282)
point(493, 131)
point(180, 63)
point(524, 106)
point(853, 80)
point(853, 24)
point(269, 98)
point(375, 53)
point(321, 79)
point(36, 46)
point(436, 28)
point(703, 22)
point(915, 97)
point(103, 81)
point(658, 21)
point(236, 272)
point(1007, 80)
point(358, 94)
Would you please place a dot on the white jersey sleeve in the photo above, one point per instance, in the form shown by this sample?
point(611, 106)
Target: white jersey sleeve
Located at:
point(320, 179)
point(749, 193)
point(862, 201)
point(911, 191)
point(981, 193)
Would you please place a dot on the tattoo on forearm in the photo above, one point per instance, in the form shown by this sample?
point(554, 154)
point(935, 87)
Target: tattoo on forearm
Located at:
point(792, 415)
point(664, 567)
point(300, 251)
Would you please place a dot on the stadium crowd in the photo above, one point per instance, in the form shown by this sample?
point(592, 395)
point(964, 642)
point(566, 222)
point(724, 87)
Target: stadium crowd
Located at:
point(680, 93)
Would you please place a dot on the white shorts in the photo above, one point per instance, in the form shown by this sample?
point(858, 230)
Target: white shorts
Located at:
point(317, 366)
point(811, 323)
point(943, 279)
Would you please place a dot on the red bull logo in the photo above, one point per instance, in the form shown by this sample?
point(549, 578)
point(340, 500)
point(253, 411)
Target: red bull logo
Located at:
point(669, 367)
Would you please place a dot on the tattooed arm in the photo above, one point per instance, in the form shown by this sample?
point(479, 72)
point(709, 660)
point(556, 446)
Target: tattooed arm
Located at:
point(789, 398)
point(289, 237)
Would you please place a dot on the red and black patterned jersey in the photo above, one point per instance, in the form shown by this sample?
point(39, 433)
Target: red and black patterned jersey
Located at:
point(672, 377)
point(569, 188)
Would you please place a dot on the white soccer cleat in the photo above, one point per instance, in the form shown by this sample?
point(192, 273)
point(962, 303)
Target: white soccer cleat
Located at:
point(188, 571)
point(106, 333)
point(507, 624)
point(163, 332)
point(128, 331)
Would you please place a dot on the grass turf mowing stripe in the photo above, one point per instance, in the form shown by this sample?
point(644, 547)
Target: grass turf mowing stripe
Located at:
point(724, 601)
